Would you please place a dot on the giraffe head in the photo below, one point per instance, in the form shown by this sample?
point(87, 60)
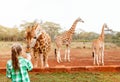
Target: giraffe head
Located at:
point(30, 34)
point(80, 20)
point(105, 26)
point(38, 31)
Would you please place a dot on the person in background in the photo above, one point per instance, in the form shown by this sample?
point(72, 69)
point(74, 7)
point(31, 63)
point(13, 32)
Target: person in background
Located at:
point(17, 67)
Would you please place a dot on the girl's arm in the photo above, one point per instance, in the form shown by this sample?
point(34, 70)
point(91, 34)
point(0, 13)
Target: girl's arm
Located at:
point(29, 65)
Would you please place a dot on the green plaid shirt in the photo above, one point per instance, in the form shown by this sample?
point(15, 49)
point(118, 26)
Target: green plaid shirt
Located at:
point(22, 75)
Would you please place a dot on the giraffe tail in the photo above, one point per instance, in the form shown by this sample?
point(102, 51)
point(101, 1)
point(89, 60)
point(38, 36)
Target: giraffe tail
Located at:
point(93, 54)
point(55, 53)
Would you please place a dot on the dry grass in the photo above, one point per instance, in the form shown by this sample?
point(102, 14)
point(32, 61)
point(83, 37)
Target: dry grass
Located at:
point(5, 46)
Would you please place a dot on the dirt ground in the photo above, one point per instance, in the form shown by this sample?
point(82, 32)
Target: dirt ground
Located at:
point(79, 57)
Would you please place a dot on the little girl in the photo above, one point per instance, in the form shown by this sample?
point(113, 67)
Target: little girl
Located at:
point(18, 67)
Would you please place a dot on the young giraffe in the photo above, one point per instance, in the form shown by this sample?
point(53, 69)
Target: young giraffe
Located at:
point(65, 39)
point(98, 48)
point(40, 42)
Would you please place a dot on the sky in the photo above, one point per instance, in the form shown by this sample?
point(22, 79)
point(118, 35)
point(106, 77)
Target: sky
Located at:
point(64, 12)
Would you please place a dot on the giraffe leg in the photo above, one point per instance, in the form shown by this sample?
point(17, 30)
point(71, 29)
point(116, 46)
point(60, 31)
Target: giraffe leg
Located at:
point(97, 59)
point(35, 60)
point(41, 59)
point(97, 56)
point(58, 56)
point(35, 64)
point(46, 61)
point(94, 58)
point(68, 54)
point(65, 54)
point(102, 58)
point(100, 61)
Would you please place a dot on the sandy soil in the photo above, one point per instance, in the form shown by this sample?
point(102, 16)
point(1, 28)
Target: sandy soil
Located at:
point(79, 57)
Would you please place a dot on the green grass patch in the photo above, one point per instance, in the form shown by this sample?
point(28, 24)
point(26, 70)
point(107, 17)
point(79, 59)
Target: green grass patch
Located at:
point(71, 77)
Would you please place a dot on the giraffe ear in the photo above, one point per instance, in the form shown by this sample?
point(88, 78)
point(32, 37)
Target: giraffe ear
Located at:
point(27, 29)
point(34, 26)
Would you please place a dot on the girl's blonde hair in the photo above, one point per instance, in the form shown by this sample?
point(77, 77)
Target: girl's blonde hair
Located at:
point(16, 50)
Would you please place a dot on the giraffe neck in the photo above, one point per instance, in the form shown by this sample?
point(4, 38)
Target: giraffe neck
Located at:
point(72, 29)
point(102, 34)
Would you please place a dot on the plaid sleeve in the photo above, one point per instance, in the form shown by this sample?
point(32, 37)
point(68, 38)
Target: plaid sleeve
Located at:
point(29, 65)
point(8, 71)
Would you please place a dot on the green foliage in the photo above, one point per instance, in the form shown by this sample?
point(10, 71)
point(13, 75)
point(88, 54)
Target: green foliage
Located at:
point(71, 77)
point(85, 36)
point(116, 39)
point(51, 28)
point(9, 34)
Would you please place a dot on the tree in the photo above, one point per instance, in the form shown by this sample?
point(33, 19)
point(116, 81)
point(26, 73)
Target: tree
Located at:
point(116, 38)
point(85, 36)
point(52, 29)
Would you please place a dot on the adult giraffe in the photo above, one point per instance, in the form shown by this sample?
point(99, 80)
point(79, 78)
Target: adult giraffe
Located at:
point(40, 42)
point(65, 39)
point(98, 47)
